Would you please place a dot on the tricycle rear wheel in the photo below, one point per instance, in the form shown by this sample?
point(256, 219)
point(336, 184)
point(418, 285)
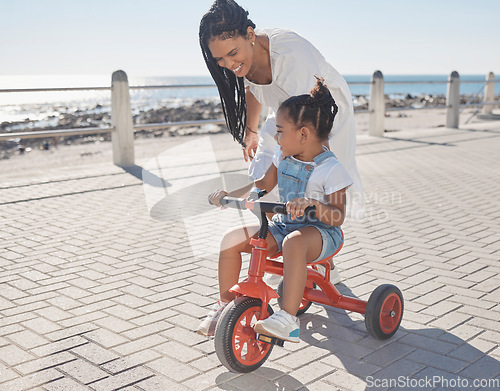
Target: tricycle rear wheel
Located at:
point(304, 304)
point(384, 311)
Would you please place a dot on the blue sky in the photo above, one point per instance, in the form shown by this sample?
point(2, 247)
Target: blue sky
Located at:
point(160, 38)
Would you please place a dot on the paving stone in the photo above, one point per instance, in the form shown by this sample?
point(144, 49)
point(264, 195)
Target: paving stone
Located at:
point(13, 355)
point(451, 320)
point(59, 346)
point(65, 384)
point(123, 312)
point(173, 369)
point(70, 332)
point(160, 383)
point(123, 379)
point(83, 371)
point(27, 339)
point(179, 351)
point(32, 380)
point(130, 361)
point(345, 381)
point(140, 344)
point(393, 372)
point(114, 324)
point(389, 353)
point(6, 374)
point(45, 362)
point(94, 353)
point(304, 375)
point(436, 361)
point(105, 338)
point(484, 368)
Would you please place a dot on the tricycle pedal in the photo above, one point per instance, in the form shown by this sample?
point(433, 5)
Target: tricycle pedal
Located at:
point(270, 340)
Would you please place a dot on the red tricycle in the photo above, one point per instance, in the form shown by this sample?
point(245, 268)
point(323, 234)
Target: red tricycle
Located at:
point(238, 346)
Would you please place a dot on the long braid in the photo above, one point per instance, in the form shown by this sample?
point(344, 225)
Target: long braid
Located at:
point(226, 19)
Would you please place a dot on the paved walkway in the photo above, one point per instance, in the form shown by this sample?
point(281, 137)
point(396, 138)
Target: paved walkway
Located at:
point(103, 278)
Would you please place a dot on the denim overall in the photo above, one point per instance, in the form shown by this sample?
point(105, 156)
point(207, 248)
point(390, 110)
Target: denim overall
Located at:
point(293, 176)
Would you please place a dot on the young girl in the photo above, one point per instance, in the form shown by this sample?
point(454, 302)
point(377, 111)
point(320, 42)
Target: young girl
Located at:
point(306, 173)
point(263, 68)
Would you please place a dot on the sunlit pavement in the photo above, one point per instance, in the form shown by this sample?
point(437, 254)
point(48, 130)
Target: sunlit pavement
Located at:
point(103, 279)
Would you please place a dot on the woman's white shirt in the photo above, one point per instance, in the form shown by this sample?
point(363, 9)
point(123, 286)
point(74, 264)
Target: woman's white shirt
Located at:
point(294, 64)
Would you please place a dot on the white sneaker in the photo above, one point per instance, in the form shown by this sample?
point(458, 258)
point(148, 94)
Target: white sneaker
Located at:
point(334, 273)
point(280, 325)
point(207, 327)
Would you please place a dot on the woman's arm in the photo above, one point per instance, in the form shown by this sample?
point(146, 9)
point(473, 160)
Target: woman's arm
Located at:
point(253, 116)
point(267, 183)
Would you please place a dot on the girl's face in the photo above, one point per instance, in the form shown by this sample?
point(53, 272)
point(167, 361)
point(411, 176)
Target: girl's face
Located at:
point(235, 54)
point(288, 136)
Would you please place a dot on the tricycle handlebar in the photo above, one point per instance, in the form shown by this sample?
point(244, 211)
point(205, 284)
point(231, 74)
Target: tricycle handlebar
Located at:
point(263, 206)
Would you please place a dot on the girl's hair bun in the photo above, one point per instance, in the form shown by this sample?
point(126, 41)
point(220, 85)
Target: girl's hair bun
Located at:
point(317, 108)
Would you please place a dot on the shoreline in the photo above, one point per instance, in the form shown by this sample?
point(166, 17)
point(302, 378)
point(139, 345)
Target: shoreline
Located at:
point(202, 109)
point(77, 156)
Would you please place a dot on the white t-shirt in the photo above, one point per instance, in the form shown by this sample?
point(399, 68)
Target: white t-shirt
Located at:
point(294, 62)
point(326, 178)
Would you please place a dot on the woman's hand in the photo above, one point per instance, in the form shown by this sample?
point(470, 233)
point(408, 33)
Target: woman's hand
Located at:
point(252, 141)
point(253, 116)
point(215, 197)
point(296, 207)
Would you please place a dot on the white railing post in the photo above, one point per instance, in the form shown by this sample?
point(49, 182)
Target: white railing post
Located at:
point(121, 117)
point(376, 105)
point(453, 100)
point(489, 93)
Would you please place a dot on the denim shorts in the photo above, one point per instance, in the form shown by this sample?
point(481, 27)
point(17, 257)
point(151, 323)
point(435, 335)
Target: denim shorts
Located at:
point(331, 241)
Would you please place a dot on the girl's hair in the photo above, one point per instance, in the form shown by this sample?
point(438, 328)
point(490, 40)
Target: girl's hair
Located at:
point(224, 20)
point(317, 108)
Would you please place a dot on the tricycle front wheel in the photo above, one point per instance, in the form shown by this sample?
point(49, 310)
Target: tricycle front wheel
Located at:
point(236, 344)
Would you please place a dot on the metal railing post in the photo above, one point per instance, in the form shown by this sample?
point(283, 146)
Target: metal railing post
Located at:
point(489, 93)
point(453, 100)
point(376, 105)
point(121, 118)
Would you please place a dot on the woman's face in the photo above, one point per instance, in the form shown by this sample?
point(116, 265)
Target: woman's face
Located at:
point(235, 54)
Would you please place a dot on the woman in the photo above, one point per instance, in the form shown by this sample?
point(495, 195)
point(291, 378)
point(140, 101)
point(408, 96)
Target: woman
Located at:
point(254, 69)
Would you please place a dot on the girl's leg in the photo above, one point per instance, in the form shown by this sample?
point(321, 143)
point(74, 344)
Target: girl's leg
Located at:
point(234, 243)
point(299, 247)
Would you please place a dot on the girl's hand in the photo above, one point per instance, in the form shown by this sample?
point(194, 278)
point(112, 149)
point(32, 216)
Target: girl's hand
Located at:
point(215, 197)
point(252, 141)
point(296, 207)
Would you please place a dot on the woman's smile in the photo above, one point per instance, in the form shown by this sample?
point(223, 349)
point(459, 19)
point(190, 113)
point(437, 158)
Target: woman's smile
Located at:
point(238, 69)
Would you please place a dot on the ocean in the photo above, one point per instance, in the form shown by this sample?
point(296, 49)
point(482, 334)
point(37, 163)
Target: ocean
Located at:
point(44, 106)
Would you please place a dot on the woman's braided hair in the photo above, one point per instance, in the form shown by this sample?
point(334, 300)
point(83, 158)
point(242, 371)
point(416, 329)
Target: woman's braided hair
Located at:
point(226, 19)
point(318, 108)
